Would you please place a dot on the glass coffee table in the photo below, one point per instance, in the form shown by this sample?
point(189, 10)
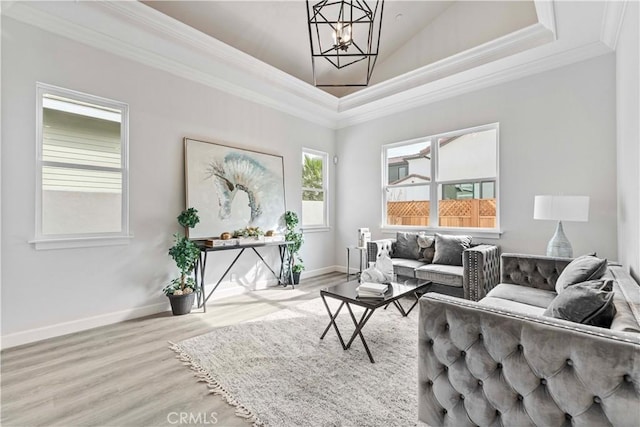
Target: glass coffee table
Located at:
point(347, 294)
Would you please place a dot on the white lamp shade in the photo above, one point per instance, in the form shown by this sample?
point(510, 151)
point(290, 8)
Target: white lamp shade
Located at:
point(561, 208)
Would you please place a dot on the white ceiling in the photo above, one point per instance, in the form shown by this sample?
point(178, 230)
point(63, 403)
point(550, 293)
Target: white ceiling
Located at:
point(414, 33)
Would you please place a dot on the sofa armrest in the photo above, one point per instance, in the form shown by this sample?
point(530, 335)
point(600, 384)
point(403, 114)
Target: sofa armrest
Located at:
point(533, 271)
point(374, 246)
point(480, 365)
point(481, 271)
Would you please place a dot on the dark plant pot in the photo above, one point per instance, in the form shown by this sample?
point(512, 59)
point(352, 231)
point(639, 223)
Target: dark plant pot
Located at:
point(181, 304)
point(296, 277)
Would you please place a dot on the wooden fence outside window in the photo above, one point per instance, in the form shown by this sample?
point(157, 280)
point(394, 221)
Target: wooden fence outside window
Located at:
point(452, 213)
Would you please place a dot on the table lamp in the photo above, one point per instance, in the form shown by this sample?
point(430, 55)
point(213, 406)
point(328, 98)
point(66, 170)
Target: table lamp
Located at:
point(561, 208)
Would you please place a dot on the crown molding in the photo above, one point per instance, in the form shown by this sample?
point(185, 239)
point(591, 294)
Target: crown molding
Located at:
point(510, 44)
point(546, 14)
point(499, 72)
point(146, 17)
point(140, 33)
point(137, 32)
point(612, 19)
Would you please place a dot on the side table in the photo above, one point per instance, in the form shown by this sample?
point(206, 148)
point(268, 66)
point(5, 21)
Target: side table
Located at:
point(362, 252)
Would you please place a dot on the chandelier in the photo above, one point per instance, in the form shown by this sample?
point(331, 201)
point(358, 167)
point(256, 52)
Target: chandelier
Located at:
point(344, 33)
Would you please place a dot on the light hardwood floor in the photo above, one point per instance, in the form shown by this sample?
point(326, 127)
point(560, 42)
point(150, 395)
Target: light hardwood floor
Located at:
point(125, 374)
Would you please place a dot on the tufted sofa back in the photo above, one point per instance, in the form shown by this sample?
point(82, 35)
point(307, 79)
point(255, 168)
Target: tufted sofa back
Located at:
point(531, 271)
point(484, 366)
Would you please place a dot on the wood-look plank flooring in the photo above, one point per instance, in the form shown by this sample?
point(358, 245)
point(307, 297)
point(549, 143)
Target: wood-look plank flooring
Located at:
point(125, 374)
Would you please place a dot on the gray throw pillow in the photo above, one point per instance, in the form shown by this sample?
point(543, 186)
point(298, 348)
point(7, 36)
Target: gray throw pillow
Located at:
point(580, 270)
point(449, 249)
point(407, 246)
point(427, 247)
point(598, 285)
point(585, 303)
point(428, 254)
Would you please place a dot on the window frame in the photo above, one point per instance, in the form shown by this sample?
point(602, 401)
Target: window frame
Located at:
point(58, 241)
point(325, 189)
point(434, 183)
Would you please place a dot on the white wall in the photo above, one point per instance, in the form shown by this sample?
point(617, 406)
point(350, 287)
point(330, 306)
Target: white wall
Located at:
point(45, 288)
point(557, 135)
point(628, 139)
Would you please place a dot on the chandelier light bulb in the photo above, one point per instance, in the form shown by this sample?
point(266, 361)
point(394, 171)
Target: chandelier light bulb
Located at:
point(342, 36)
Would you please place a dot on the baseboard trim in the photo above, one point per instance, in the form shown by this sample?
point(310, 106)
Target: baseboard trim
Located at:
point(320, 271)
point(59, 329)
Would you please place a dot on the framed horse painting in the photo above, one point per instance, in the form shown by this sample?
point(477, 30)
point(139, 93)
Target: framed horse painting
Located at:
point(232, 188)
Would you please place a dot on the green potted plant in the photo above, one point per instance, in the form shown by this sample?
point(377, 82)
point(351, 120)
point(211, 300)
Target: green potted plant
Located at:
point(292, 235)
point(181, 291)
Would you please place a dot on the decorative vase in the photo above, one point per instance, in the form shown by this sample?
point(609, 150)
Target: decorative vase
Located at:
point(181, 304)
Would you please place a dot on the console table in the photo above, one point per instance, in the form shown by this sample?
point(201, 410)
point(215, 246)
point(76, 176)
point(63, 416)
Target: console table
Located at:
point(201, 265)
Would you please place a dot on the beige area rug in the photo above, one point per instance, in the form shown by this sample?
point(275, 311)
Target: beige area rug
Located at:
point(277, 372)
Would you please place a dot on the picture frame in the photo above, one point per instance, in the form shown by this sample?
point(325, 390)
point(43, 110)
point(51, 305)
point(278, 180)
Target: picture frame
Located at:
point(232, 188)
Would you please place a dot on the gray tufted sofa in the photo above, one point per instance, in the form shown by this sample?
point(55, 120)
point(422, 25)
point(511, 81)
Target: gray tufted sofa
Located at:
point(478, 274)
point(494, 362)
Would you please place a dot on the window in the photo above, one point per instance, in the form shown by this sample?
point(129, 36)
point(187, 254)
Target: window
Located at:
point(314, 189)
point(443, 181)
point(82, 166)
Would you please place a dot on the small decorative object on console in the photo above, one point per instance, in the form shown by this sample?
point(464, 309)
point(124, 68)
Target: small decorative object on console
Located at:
point(248, 232)
point(214, 243)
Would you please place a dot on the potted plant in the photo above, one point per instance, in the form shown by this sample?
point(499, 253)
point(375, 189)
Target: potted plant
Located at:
point(291, 235)
point(181, 290)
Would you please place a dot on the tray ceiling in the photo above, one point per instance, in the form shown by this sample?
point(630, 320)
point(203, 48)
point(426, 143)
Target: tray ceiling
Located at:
point(414, 33)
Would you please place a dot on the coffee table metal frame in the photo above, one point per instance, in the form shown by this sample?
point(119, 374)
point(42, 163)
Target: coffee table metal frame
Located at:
point(347, 295)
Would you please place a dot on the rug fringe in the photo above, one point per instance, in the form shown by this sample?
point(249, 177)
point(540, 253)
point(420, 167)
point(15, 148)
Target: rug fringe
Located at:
point(214, 386)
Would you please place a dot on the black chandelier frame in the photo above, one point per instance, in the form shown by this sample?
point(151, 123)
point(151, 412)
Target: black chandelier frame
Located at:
point(337, 54)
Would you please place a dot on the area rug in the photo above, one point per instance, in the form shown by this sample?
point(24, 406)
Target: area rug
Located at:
point(277, 372)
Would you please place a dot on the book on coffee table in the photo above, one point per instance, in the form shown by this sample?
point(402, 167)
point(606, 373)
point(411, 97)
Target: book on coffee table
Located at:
point(372, 290)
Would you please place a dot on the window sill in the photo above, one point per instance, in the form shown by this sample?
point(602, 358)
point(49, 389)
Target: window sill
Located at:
point(316, 229)
point(80, 242)
point(481, 233)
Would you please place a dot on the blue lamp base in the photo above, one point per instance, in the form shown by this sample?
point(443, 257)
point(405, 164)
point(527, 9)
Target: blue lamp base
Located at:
point(559, 245)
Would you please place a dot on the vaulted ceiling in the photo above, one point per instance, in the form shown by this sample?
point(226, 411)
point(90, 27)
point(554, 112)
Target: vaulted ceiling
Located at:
point(414, 33)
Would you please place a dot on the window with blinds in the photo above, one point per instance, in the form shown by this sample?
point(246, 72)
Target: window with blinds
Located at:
point(82, 165)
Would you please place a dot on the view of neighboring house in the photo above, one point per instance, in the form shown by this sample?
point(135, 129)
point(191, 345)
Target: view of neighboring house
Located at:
point(463, 172)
